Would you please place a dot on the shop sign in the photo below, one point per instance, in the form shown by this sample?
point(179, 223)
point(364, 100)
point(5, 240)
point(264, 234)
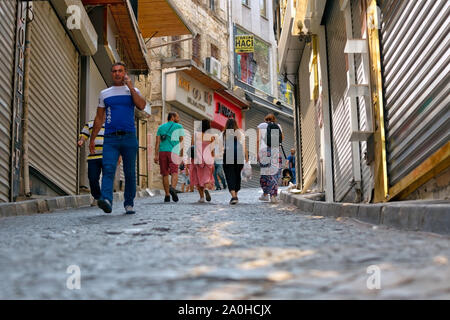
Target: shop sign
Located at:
point(193, 95)
point(244, 44)
point(223, 110)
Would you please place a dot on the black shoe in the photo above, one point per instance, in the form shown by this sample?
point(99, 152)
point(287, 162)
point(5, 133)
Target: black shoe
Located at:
point(105, 205)
point(173, 194)
point(234, 200)
point(167, 199)
point(207, 195)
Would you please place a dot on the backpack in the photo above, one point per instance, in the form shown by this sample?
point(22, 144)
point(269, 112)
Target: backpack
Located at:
point(271, 126)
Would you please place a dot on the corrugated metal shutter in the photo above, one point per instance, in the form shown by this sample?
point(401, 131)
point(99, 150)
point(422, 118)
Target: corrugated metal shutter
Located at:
point(308, 120)
point(366, 172)
point(253, 118)
point(53, 107)
point(416, 63)
point(340, 104)
point(7, 41)
point(288, 133)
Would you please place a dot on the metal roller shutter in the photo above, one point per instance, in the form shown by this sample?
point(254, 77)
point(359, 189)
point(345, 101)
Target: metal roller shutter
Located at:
point(288, 133)
point(308, 120)
point(7, 41)
point(53, 106)
point(416, 63)
point(340, 104)
point(366, 172)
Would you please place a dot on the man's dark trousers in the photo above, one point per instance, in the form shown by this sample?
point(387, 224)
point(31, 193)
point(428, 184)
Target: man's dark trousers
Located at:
point(94, 170)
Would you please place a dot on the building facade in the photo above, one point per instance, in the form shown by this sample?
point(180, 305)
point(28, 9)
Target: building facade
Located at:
point(256, 73)
point(372, 81)
point(52, 85)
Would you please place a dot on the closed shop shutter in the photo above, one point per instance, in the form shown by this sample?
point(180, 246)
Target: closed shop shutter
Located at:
point(416, 70)
point(308, 120)
point(288, 133)
point(366, 172)
point(340, 104)
point(53, 106)
point(7, 41)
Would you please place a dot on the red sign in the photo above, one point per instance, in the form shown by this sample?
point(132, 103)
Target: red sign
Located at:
point(223, 110)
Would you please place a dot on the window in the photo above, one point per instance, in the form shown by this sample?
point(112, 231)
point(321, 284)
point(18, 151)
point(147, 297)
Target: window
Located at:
point(214, 52)
point(254, 68)
point(212, 5)
point(196, 49)
point(246, 2)
point(176, 47)
point(262, 8)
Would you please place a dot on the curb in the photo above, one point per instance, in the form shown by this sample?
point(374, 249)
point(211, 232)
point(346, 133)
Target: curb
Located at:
point(29, 207)
point(427, 216)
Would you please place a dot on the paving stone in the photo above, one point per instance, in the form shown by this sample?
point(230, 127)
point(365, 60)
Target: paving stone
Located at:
point(253, 250)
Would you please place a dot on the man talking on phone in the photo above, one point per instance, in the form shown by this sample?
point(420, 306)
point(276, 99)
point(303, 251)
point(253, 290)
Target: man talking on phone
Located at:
point(116, 106)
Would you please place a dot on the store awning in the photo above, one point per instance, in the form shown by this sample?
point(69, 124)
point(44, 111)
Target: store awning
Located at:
point(129, 32)
point(160, 18)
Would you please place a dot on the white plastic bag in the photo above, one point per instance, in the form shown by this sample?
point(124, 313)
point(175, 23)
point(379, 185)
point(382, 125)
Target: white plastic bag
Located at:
point(247, 170)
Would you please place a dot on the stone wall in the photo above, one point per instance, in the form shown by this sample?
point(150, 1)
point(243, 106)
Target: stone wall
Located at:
point(436, 188)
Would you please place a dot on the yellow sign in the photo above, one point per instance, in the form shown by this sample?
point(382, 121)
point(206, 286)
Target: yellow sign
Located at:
point(244, 44)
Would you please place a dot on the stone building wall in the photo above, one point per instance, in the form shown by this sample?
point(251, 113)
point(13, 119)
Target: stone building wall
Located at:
point(212, 26)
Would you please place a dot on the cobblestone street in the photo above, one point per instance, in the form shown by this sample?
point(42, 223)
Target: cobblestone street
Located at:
point(186, 250)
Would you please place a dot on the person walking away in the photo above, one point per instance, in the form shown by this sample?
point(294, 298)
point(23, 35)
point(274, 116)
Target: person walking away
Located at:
point(203, 162)
point(290, 163)
point(169, 153)
point(269, 138)
point(95, 159)
point(233, 157)
point(218, 168)
point(183, 176)
point(116, 105)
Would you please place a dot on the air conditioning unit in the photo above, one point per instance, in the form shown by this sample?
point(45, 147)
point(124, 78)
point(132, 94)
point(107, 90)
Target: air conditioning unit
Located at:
point(213, 66)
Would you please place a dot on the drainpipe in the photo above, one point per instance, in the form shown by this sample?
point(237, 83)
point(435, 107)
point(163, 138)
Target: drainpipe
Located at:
point(231, 44)
point(163, 89)
point(26, 170)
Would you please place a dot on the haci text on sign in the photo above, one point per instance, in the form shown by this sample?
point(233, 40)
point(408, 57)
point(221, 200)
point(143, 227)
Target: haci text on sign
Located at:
point(244, 44)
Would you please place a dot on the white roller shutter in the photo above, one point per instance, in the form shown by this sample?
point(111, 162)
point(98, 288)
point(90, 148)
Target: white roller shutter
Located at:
point(367, 182)
point(53, 106)
point(7, 41)
point(308, 120)
point(416, 69)
point(340, 103)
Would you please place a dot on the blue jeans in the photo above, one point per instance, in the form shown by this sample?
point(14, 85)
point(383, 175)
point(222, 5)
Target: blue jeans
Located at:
point(125, 146)
point(293, 173)
point(94, 171)
point(218, 172)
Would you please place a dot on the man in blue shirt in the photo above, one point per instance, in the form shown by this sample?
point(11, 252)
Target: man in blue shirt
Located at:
point(116, 108)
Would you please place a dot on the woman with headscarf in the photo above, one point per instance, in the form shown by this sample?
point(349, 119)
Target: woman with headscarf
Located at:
point(268, 142)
